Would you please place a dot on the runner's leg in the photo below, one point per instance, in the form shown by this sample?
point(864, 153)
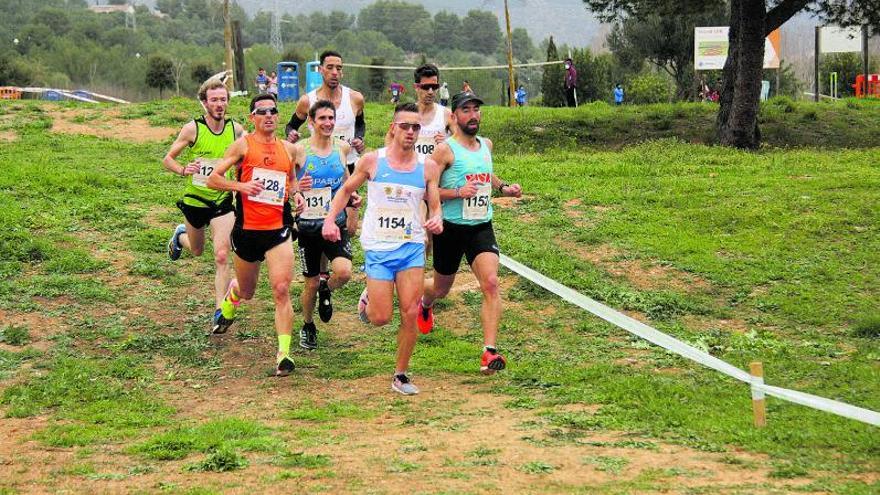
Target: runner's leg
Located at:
point(221, 227)
point(193, 240)
point(308, 298)
point(485, 268)
point(409, 291)
point(341, 272)
point(279, 262)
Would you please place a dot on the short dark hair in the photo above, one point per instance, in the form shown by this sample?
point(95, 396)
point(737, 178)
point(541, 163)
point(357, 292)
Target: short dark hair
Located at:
point(329, 53)
point(406, 107)
point(425, 70)
point(319, 105)
point(261, 97)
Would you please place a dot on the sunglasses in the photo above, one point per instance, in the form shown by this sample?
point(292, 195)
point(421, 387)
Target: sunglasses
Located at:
point(406, 126)
point(426, 87)
point(265, 111)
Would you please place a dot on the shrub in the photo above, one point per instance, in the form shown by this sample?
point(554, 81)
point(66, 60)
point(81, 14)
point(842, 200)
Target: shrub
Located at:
point(649, 88)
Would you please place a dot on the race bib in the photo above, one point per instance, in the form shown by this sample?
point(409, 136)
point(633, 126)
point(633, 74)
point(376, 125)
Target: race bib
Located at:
point(274, 184)
point(317, 203)
point(477, 207)
point(425, 145)
point(206, 167)
point(394, 224)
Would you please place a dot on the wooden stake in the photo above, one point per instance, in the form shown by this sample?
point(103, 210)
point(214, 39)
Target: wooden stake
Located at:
point(227, 39)
point(511, 91)
point(756, 369)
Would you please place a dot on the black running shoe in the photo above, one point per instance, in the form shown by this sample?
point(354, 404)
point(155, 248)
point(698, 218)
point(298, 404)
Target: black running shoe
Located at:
point(325, 306)
point(285, 366)
point(308, 336)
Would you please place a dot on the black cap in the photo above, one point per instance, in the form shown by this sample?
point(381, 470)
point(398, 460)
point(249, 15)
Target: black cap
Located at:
point(461, 98)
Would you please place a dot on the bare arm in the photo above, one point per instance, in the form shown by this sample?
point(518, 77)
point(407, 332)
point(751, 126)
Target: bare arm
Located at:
point(186, 138)
point(442, 158)
point(434, 223)
point(238, 130)
point(234, 154)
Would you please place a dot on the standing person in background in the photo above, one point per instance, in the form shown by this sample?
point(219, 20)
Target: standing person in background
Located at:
point(444, 95)
point(466, 87)
point(273, 84)
point(618, 95)
point(521, 96)
point(262, 80)
point(571, 80)
point(396, 89)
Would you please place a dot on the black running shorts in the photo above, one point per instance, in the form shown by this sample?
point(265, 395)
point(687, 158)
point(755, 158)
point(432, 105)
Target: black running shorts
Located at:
point(199, 217)
point(462, 240)
point(312, 246)
point(251, 245)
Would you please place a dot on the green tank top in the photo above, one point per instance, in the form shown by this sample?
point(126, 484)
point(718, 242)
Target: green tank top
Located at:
point(212, 147)
point(475, 166)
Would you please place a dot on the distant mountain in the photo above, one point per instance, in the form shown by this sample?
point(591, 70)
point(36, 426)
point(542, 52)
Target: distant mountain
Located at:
point(566, 20)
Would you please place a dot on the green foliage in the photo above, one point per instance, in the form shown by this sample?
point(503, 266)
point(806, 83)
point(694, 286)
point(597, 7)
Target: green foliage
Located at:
point(14, 335)
point(847, 66)
point(219, 461)
point(159, 73)
point(552, 80)
point(224, 434)
point(482, 31)
point(385, 16)
point(649, 88)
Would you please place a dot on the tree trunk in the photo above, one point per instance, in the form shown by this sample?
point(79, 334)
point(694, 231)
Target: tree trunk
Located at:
point(741, 85)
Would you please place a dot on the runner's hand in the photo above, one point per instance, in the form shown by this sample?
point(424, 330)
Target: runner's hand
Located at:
point(293, 136)
point(358, 144)
point(439, 137)
point(251, 188)
point(356, 200)
point(434, 224)
point(330, 232)
point(299, 203)
point(468, 190)
point(191, 168)
point(305, 183)
point(514, 190)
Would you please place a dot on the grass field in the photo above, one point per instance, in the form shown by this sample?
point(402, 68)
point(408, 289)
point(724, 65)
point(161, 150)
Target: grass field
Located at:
point(108, 383)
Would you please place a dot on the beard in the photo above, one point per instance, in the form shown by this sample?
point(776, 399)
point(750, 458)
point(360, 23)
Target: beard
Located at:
point(470, 130)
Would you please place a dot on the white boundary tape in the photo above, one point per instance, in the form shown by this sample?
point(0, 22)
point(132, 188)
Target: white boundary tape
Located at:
point(661, 339)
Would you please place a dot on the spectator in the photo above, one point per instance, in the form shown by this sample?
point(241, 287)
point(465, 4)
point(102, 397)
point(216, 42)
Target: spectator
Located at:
point(273, 84)
point(571, 79)
point(444, 95)
point(466, 87)
point(396, 90)
point(262, 80)
point(521, 95)
point(618, 95)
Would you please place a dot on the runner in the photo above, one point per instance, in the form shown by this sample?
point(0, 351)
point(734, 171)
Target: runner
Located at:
point(393, 234)
point(265, 173)
point(350, 123)
point(396, 89)
point(436, 120)
point(466, 184)
point(208, 137)
point(320, 168)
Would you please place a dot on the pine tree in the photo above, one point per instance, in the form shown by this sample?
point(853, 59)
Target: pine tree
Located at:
point(553, 79)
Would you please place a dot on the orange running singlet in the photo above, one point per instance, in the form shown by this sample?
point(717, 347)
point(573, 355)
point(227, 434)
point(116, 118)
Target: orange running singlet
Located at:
point(270, 164)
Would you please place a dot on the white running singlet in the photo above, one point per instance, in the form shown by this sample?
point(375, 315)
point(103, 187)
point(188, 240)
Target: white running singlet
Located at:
point(344, 128)
point(425, 142)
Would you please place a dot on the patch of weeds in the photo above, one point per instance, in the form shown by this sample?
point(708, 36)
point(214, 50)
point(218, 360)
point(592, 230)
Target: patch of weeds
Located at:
point(10, 361)
point(301, 460)
point(868, 327)
point(247, 334)
point(483, 456)
point(77, 470)
point(403, 466)
point(330, 411)
point(575, 420)
point(605, 463)
point(521, 403)
point(737, 461)
point(219, 461)
point(626, 444)
point(14, 335)
point(537, 467)
point(788, 471)
point(225, 433)
point(410, 446)
point(284, 475)
point(472, 298)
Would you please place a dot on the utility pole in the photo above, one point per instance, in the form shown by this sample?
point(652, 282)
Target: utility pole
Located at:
point(227, 38)
point(275, 32)
point(510, 83)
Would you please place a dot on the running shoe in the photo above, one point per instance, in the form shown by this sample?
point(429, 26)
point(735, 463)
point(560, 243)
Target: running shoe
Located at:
point(285, 365)
point(308, 336)
point(362, 307)
point(400, 383)
point(174, 247)
point(227, 310)
point(492, 361)
point(425, 318)
point(325, 306)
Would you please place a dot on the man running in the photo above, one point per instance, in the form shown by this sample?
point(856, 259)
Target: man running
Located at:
point(207, 137)
point(393, 234)
point(321, 170)
point(265, 177)
point(466, 184)
point(350, 123)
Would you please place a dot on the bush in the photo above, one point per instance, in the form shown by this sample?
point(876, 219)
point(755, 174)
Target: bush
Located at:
point(649, 88)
